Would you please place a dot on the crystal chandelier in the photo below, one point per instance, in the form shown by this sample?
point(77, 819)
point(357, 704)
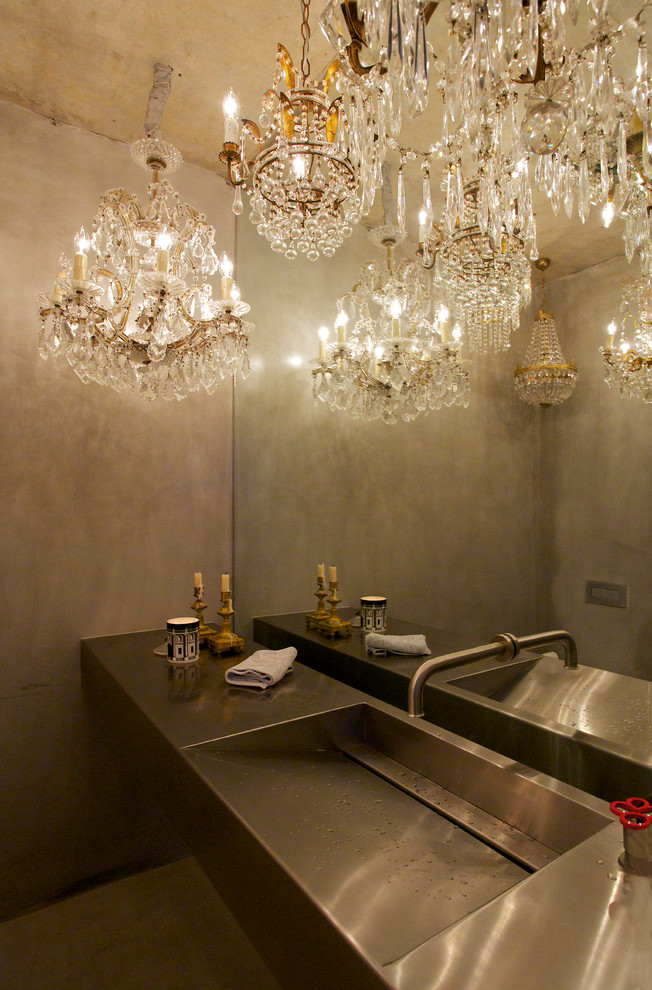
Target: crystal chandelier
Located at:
point(485, 276)
point(398, 360)
point(555, 94)
point(315, 174)
point(545, 379)
point(628, 366)
point(140, 316)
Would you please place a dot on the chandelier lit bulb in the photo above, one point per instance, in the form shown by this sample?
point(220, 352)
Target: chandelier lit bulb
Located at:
point(135, 309)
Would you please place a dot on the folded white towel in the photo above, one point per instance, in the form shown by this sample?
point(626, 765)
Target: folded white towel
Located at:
point(262, 669)
point(377, 643)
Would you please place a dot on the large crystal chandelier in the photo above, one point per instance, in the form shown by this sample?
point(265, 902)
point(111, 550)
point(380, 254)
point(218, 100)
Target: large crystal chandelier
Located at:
point(555, 93)
point(628, 364)
point(485, 276)
point(314, 174)
point(134, 310)
point(398, 359)
point(545, 379)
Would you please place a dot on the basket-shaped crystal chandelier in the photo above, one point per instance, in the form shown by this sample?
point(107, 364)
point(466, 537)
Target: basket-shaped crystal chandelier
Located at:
point(135, 310)
point(313, 176)
point(545, 379)
point(628, 361)
point(486, 277)
point(397, 361)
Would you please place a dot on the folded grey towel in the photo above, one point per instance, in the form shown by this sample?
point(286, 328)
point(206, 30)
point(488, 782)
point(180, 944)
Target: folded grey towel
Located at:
point(378, 643)
point(262, 669)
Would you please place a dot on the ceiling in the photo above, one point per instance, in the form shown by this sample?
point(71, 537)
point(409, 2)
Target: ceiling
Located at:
point(90, 64)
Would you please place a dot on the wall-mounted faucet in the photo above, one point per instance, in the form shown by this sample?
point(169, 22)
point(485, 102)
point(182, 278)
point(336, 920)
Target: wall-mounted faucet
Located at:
point(503, 647)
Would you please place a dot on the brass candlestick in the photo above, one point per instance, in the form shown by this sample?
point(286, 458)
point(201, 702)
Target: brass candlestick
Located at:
point(198, 608)
point(332, 625)
point(225, 641)
point(314, 618)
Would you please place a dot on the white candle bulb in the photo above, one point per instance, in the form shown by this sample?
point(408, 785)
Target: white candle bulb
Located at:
point(321, 573)
point(332, 574)
point(395, 310)
point(323, 337)
point(80, 263)
point(612, 329)
point(163, 242)
point(624, 346)
point(225, 583)
point(231, 127)
point(608, 213)
point(341, 321)
point(226, 268)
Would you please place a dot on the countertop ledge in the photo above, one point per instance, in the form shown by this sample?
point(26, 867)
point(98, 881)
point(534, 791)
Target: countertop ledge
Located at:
point(579, 922)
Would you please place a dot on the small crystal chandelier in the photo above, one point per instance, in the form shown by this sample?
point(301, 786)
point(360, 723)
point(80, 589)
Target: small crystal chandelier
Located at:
point(628, 367)
point(311, 180)
point(545, 379)
point(140, 317)
point(398, 360)
point(484, 274)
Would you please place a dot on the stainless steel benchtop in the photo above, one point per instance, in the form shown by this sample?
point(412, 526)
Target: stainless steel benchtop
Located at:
point(579, 923)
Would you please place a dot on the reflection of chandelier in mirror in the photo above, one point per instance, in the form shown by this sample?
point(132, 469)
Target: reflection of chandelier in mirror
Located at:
point(140, 318)
point(628, 364)
point(310, 181)
point(486, 281)
point(545, 379)
point(521, 83)
point(397, 361)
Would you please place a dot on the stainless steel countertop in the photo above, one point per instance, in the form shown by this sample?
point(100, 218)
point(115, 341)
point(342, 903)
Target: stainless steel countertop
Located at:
point(579, 923)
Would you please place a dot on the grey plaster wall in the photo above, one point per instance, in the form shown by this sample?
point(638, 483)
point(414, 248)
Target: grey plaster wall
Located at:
point(438, 514)
point(596, 459)
point(108, 506)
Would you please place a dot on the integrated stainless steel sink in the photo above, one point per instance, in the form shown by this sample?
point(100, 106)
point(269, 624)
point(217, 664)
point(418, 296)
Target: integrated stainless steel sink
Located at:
point(396, 828)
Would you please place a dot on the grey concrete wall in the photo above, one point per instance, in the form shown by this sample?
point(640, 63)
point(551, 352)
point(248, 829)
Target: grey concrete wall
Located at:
point(108, 506)
point(596, 467)
point(437, 514)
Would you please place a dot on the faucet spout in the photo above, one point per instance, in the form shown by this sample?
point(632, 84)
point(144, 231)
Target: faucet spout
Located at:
point(549, 639)
point(505, 646)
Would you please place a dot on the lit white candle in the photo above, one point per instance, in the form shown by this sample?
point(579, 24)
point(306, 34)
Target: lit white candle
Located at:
point(322, 333)
point(80, 263)
point(395, 310)
point(163, 242)
point(341, 321)
point(198, 581)
point(611, 334)
point(321, 573)
point(225, 583)
point(332, 574)
point(226, 268)
point(231, 128)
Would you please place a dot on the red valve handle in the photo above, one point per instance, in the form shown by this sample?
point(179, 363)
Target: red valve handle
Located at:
point(634, 813)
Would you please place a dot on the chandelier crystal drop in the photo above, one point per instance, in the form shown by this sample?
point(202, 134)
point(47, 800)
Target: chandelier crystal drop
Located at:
point(628, 360)
point(397, 361)
point(545, 379)
point(318, 161)
point(134, 310)
point(483, 273)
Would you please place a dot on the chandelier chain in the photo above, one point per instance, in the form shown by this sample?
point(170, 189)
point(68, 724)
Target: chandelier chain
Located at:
point(305, 34)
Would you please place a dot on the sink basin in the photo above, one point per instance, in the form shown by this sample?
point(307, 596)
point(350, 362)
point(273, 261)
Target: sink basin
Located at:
point(400, 830)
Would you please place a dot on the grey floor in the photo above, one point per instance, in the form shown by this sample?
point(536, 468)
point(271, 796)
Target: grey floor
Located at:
point(165, 929)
